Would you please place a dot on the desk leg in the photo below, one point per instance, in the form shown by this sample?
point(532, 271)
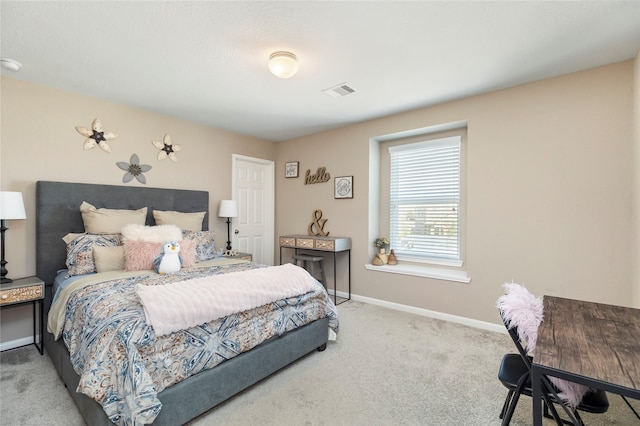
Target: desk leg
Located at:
point(536, 383)
point(335, 280)
point(349, 260)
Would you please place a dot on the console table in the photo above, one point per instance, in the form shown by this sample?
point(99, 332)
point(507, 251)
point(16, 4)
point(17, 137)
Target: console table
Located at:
point(333, 245)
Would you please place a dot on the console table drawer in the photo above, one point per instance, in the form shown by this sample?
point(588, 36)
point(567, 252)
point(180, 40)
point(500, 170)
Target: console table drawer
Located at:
point(325, 245)
point(304, 242)
point(309, 242)
point(288, 241)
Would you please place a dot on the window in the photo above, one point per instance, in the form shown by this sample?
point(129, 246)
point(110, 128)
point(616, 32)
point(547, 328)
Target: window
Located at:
point(424, 200)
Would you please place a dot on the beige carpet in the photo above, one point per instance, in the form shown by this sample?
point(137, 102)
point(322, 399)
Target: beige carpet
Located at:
point(386, 368)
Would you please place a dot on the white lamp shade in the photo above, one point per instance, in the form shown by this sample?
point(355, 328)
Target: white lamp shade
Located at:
point(283, 64)
point(228, 208)
point(11, 205)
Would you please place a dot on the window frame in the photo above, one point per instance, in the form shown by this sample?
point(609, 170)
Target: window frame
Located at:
point(380, 203)
point(434, 157)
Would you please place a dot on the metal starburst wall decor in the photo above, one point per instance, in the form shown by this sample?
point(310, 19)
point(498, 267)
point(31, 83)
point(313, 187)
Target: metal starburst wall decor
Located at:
point(96, 136)
point(167, 149)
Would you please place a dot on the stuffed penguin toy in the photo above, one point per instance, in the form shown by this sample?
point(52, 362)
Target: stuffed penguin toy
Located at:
point(169, 260)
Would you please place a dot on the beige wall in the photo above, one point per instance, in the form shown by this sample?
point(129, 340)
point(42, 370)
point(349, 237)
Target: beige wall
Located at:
point(39, 142)
point(549, 187)
point(549, 183)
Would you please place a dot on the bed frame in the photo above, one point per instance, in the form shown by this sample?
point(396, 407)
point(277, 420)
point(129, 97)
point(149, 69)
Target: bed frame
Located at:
point(57, 213)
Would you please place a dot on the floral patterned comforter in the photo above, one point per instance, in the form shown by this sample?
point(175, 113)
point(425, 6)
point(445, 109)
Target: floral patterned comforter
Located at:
point(123, 365)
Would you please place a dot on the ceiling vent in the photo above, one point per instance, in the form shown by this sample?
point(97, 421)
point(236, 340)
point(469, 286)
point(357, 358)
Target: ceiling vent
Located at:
point(339, 91)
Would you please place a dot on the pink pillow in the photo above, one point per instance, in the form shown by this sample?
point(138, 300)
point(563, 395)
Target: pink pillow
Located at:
point(139, 255)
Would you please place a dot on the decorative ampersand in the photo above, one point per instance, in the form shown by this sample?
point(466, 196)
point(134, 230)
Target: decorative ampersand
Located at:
point(318, 223)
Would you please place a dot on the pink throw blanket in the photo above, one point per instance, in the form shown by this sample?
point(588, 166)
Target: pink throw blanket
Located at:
point(186, 304)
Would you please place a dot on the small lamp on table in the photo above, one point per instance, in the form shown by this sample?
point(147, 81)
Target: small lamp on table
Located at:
point(11, 208)
point(228, 209)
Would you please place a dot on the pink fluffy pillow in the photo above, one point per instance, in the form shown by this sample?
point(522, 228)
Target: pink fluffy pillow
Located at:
point(139, 255)
point(523, 310)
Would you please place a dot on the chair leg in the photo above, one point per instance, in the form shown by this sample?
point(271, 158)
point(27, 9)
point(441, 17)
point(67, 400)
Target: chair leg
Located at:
point(578, 418)
point(512, 407)
point(322, 276)
point(547, 386)
point(311, 267)
point(506, 404)
point(630, 406)
point(549, 404)
point(514, 400)
point(546, 411)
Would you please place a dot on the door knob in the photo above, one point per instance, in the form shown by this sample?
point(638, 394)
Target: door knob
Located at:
point(236, 232)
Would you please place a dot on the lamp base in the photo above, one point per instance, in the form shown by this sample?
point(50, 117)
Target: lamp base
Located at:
point(3, 263)
point(228, 233)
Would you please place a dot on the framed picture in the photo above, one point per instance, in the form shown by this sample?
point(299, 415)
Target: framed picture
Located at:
point(291, 169)
point(344, 187)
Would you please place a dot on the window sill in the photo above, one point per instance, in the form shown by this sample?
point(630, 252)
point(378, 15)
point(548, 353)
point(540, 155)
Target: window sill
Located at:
point(423, 271)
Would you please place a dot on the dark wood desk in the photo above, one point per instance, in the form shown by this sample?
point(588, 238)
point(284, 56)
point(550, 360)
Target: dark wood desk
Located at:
point(590, 343)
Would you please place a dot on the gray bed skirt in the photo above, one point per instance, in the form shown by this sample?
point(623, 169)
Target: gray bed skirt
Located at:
point(203, 391)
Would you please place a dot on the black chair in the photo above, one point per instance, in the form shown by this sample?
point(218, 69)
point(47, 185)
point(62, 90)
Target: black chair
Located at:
point(515, 375)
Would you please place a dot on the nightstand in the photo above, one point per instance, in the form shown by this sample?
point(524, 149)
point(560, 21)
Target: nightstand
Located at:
point(242, 256)
point(26, 290)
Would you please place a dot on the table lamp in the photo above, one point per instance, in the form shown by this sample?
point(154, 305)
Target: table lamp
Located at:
point(11, 208)
point(228, 209)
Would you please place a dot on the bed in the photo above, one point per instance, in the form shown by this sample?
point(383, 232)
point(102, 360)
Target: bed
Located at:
point(57, 214)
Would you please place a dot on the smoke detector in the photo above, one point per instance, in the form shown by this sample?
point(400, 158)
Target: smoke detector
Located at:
point(339, 91)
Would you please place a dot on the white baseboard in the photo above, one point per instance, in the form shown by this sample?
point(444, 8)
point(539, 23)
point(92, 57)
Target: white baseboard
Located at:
point(427, 313)
point(397, 306)
point(12, 344)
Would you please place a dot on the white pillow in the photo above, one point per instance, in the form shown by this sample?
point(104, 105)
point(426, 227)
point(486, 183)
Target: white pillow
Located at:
point(151, 234)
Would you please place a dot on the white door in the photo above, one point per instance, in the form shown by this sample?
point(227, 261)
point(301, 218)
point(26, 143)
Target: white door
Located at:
point(253, 189)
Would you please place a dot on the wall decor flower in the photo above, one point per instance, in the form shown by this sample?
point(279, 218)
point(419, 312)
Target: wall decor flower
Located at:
point(167, 149)
point(134, 169)
point(96, 136)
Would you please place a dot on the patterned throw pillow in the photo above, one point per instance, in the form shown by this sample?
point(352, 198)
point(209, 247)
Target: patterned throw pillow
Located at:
point(204, 243)
point(79, 251)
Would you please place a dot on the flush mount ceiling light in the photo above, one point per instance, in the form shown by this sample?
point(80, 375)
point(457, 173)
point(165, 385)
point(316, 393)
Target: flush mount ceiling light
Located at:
point(283, 64)
point(10, 64)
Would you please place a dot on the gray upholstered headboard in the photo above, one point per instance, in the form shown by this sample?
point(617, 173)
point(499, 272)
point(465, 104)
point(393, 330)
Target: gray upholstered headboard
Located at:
point(58, 213)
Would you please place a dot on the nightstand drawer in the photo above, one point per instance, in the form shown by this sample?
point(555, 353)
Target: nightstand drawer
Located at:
point(21, 294)
point(26, 290)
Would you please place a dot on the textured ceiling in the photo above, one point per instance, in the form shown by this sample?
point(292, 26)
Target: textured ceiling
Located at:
point(205, 61)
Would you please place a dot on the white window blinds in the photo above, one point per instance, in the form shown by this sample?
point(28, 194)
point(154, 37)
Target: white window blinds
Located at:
point(425, 199)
